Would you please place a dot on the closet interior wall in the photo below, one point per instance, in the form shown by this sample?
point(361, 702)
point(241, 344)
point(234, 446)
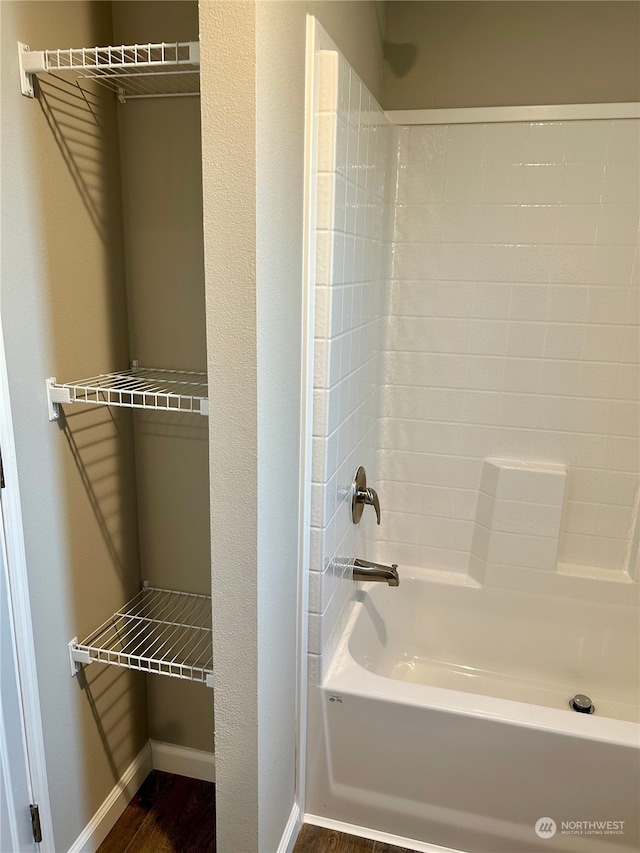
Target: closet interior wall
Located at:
point(101, 264)
point(64, 313)
point(162, 203)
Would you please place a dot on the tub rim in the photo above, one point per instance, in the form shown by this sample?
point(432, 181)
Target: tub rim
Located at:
point(346, 676)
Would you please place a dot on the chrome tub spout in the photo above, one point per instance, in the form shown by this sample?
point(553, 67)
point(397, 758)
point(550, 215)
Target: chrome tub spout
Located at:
point(363, 570)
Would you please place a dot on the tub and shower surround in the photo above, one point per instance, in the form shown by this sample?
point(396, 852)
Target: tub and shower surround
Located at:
point(508, 476)
point(513, 334)
point(353, 146)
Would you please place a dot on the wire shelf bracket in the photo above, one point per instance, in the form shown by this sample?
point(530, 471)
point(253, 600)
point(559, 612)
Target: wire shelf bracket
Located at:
point(160, 631)
point(156, 69)
point(138, 388)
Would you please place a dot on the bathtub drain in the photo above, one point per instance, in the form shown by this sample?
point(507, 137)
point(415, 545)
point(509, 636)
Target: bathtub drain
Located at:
point(582, 704)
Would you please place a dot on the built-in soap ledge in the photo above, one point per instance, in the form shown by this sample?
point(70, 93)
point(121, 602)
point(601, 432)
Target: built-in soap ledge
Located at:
point(573, 584)
point(518, 516)
point(598, 573)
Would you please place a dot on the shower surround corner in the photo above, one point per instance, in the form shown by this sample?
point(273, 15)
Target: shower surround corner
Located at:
point(352, 143)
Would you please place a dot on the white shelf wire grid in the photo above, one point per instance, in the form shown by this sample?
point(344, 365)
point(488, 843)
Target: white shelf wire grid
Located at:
point(159, 631)
point(132, 71)
point(136, 388)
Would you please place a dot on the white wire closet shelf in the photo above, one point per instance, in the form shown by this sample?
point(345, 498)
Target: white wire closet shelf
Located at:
point(132, 71)
point(137, 388)
point(159, 631)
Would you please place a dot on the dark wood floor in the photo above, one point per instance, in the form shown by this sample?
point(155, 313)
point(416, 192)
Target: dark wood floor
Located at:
point(174, 814)
point(169, 814)
point(314, 839)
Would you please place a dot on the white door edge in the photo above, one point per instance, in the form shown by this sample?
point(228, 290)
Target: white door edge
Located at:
point(21, 611)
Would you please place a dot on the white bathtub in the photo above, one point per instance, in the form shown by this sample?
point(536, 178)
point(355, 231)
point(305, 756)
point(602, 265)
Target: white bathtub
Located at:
point(445, 720)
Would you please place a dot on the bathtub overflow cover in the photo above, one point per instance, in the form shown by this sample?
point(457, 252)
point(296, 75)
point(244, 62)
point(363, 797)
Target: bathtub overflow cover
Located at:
point(582, 704)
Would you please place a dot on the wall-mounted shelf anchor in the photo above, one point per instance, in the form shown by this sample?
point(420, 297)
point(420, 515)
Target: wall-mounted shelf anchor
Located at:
point(56, 394)
point(29, 62)
point(77, 657)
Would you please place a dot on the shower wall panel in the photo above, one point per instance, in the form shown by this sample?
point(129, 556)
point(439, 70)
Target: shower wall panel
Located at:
point(353, 143)
point(513, 332)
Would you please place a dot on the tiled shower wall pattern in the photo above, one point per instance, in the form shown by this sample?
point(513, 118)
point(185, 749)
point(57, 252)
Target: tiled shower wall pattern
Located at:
point(513, 333)
point(353, 154)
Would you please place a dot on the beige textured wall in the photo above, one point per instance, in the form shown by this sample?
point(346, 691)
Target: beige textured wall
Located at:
point(476, 54)
point(64, 314)
point(279, 240)
point(357, 27)
point(162, 202)
point(253, 66)
point(227, 79)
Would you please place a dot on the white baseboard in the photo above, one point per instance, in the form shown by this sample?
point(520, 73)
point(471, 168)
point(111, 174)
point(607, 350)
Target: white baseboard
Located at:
point(116, 802)
point(291, 830)
point(375, 835)
point(154, 755)
point(183, 761)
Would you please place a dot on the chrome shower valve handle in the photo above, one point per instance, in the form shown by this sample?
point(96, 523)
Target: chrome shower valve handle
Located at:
point(369, 497)
point(363, 496)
